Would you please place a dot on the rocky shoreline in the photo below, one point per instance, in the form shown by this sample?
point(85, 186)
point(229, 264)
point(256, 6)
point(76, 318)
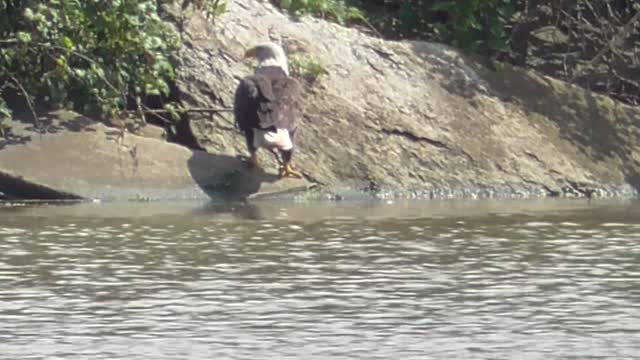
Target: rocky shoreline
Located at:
point(384, 119)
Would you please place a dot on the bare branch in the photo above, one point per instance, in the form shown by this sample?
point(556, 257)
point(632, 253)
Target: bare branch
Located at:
point(625, 80)
point(189, 110)
point(372, 28)
point(614, 42)
point(10, 41)
point(27, 97)
point(146, 111)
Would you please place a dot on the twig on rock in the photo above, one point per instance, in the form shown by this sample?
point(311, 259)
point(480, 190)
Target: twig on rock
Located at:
point(189, 110)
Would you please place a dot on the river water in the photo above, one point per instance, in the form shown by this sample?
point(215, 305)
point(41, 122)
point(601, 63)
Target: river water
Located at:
point(415, 280)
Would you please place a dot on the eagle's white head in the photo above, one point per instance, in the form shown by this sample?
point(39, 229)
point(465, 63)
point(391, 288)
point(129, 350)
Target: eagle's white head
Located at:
point(269, 54)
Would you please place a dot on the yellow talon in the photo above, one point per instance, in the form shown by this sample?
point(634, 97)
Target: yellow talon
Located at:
point(287, 171)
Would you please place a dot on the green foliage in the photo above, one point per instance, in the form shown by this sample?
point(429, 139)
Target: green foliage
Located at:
point(5, 113)
point(305, 67)
point(5, 116)
point(338, 10)
point(211, 8)
point(475, 24)
point(478, 25)
point(91, 55)
point(214, 8)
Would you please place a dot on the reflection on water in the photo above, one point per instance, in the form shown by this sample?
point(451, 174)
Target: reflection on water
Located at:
point(409, 281)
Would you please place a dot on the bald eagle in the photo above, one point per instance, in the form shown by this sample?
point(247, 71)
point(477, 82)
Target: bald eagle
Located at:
point(268, 107)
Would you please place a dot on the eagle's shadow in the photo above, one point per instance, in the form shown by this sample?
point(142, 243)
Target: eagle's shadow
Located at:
point(224, 177)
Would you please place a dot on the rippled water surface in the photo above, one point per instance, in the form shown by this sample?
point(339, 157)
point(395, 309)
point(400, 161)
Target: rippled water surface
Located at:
point(503, 280)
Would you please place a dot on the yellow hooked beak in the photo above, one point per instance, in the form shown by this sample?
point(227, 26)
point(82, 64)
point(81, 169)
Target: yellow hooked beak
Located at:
point(251, 53)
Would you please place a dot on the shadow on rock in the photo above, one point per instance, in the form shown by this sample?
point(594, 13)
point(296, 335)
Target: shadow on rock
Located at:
point(223, 177)
point(459, 69)
point(23, 128)
point(13, 139)
point(603, 131)
point(634, 180)
point(61, 120)
point(601, 128)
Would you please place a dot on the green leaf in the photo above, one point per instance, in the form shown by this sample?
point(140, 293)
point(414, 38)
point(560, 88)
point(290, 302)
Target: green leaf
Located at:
point(68, 43)
point(24, 37)
point(173, 113)
point(5, 112)
point(443, 6)
point(28, 14)
point(114, 48)
point(80, 73)
point(163, 87)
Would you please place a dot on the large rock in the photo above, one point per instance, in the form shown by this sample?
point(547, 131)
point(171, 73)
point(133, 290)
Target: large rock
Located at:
point(81, 159)
point(400, 118)
point(415, 118)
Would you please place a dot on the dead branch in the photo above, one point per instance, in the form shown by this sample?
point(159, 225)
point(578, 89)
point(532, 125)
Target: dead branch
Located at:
point(372, 28)
point(614, 42)
point(189, 110)
point(146, 108)
point(10, 41)
point(27, 97)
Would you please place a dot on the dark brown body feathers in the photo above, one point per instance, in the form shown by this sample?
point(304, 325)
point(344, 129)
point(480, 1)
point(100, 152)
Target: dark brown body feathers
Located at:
point(269, 99)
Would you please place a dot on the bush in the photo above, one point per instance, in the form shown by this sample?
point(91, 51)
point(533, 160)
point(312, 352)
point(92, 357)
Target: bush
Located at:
point(92, 56)
point(338, 10)
point(306, 68)
point(477, 25)
point(5, 114)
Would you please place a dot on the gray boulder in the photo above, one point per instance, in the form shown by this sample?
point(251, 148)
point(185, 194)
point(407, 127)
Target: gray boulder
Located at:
point(81, 159)
point(413, 118)
point(395, 118)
